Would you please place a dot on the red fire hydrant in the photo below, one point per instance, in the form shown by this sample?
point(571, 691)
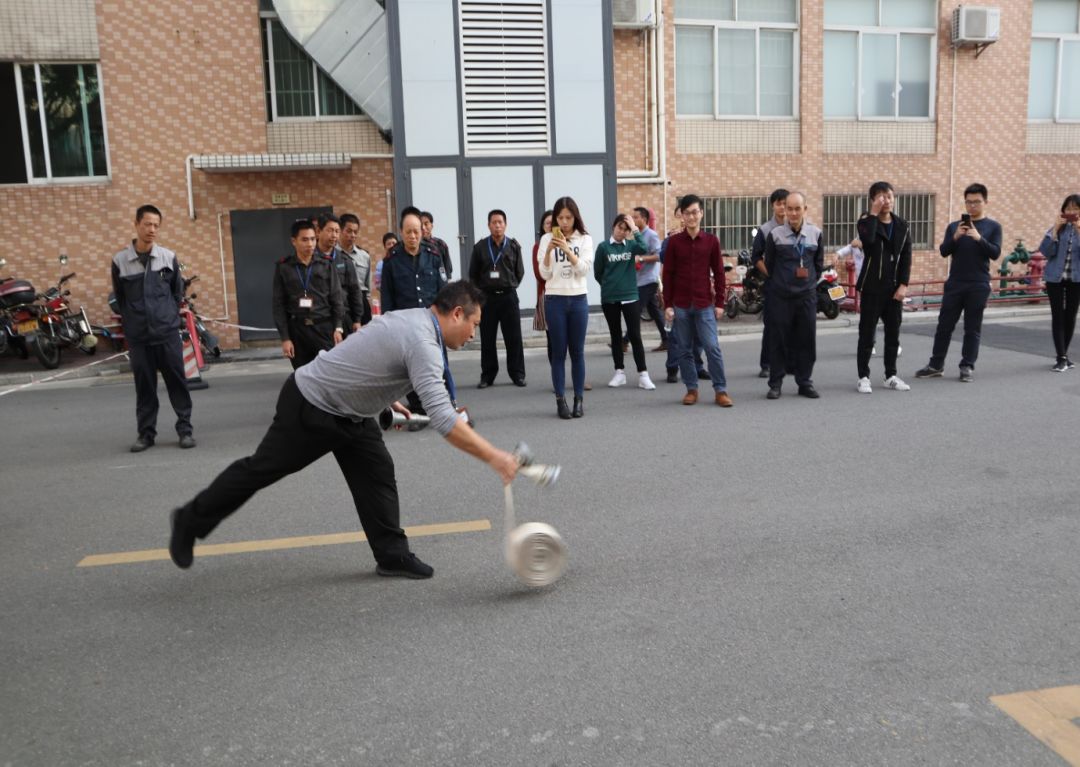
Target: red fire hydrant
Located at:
point(1036, 267)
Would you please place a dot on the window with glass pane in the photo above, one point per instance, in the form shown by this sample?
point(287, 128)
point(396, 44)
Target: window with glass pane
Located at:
point(1042, 80)
point(300, 88)
point(1069, 104)
point(694, 70)
point(878, 75)
point(776, 84)
point(841, 68)
point(736, 68)
point(915, 56)
point(894, 67)
point(751, 43)
point(706, 10)
point(73, 143)
point(1055, 17)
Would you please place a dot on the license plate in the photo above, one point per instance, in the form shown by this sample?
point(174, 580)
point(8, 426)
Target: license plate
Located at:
point(27, 326)
point(836, 293)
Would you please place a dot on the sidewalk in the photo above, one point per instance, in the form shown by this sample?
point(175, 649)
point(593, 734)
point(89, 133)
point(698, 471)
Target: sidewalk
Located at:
point(74, 364)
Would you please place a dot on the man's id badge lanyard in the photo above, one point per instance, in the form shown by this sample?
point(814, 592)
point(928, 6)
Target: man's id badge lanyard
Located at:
point(445, 361)
point(495, 258)
point(800, 247)
point(305, 300)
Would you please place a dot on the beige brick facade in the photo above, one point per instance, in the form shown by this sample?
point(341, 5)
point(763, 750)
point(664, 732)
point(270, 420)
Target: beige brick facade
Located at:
point(1028, 169)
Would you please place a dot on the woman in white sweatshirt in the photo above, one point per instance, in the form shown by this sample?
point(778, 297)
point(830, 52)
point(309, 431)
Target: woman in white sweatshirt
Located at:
point(565, 266)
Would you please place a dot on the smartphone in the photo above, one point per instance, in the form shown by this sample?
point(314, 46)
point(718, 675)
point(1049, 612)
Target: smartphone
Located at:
point(965, 219)
point(1072, 217)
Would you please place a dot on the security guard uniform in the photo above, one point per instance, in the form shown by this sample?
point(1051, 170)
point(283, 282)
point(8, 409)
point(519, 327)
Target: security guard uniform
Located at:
point(794, 260)
point(350, 287)
point(497, 270)
point(308, 305)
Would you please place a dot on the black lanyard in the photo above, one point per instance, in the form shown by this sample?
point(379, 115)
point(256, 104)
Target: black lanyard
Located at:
point(304, 280)
point(495, 259)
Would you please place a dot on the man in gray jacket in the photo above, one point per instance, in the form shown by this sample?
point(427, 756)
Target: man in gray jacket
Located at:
point(148, 289)
point(331, 405)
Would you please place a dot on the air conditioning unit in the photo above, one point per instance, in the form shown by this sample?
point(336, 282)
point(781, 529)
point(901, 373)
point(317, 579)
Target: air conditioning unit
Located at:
point(633, 14)
point(976, 25)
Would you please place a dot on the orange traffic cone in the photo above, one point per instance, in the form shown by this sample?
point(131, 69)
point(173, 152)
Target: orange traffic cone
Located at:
point(191, 365)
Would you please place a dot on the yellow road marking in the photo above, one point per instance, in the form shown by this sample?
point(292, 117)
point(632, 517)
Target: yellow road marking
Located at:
point(1048, 715)
point(273, 544)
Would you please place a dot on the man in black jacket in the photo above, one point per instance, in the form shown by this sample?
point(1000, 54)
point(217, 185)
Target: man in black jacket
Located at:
point(307, 303)
point(496, 267)
point(882, 283)
point(326, 245)
point(148, 289)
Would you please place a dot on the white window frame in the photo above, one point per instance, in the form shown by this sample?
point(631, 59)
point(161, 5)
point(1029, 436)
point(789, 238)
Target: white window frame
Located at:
point(756, 27)
point(20, 98)
point(268, 20)
point(1060, 40)
point(895, 32)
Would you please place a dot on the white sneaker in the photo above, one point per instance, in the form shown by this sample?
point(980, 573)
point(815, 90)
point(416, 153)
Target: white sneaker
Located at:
point(899, 351)
point(619, 379)
point(893, 382)
point(864, 386)
point(644, 382)
point(873, 352)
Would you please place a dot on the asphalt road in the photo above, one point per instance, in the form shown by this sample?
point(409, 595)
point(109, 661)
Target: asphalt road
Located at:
point(845, 581)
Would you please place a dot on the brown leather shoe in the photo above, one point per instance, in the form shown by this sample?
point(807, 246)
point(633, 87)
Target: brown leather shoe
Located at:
point(662, 347)
point(723, 400)
point(690, 398)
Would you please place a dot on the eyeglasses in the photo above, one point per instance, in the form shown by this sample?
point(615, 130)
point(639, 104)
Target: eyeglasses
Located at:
point(975, 202)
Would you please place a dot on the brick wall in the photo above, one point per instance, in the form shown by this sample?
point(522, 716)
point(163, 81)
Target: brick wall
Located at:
point(991, 141)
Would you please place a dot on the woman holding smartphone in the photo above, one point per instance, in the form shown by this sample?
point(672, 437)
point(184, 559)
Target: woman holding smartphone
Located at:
point(567, 257)
point(1061, 246)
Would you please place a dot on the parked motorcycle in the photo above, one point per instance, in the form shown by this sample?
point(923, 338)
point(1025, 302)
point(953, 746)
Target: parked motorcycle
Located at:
point(829, 292)
point(207, 340)
point(12, 293)
point(747, 295)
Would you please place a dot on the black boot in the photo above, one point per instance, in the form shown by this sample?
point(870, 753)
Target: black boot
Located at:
point(564, 411)
point(578, 409)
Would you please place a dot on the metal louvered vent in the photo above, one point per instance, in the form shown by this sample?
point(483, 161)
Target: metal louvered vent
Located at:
point(504, 77)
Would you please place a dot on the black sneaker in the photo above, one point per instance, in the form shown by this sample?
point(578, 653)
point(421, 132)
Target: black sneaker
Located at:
point(1060, 366)
point(673, 376)
point(1069, 363)
point(187, 441)
point(142, 443)
point(967, 374)
point(774, 393)
point(703, 374)
point(404, 566)
point(181, 543)
point(763, 373)
point(929, 372)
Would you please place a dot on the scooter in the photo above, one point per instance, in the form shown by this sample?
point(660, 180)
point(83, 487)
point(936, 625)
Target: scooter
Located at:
point(208, 341)
point(829, 292)
point(748, 294)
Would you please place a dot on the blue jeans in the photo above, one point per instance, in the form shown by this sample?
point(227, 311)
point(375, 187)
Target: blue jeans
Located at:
point(673, 350)
point(567, 319)
point(700, 325)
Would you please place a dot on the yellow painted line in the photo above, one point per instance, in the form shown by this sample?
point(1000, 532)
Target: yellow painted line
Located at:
point(274, 544)
point(1048, 715)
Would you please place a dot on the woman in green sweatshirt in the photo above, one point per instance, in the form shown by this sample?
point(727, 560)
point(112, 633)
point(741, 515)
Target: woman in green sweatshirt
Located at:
point(615, 267)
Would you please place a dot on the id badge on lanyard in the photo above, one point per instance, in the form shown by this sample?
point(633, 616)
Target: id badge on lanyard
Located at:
point(801, 272)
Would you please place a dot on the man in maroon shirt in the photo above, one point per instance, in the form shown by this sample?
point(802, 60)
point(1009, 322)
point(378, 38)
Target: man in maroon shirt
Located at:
point(694, 297)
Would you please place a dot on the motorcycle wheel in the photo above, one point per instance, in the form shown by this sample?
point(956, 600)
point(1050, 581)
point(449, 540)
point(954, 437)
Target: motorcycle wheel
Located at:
point(46, 350)
point(831, 310)
point(732, 309)
point(754, 308)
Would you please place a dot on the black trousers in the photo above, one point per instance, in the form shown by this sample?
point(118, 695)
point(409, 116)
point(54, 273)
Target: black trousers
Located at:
point(874, 306)
point(766, 349)
point(147, 360)
point(309, 340)
point(301, 434)
point(501, 310)
point(792, 324)
point(632, 315)
point(1064, 301)
point(969, 298)
point(647, 300)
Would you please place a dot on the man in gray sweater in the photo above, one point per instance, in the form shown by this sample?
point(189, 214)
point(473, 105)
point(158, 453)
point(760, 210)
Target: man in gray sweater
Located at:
point(331, 405)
